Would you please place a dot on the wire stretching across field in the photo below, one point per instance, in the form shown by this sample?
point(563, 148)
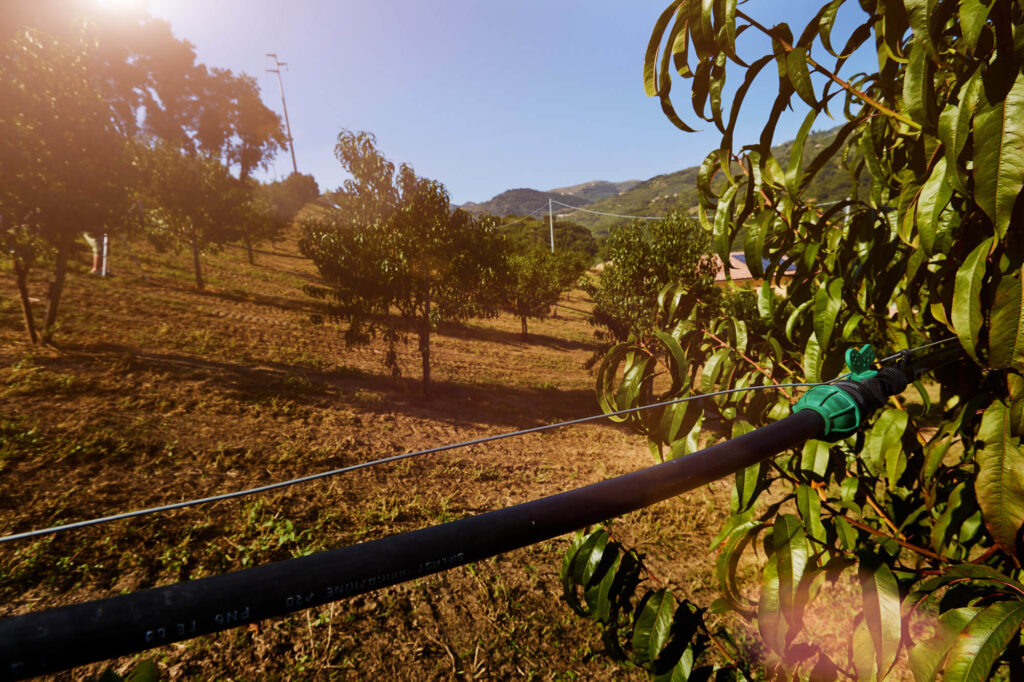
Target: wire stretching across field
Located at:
point(613, 215)
point(395, 458)
point(375, 462)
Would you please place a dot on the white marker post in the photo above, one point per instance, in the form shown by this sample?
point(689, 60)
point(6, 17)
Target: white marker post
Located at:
point(551, 224)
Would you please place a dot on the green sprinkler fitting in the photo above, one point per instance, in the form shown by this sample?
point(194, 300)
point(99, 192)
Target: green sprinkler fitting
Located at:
point(842, 414)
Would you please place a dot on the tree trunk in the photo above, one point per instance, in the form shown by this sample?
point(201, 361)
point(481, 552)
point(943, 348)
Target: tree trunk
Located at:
point(195, 261)
point(522, 319)
point(21, 273)
point(56, 288)
point(425, 348)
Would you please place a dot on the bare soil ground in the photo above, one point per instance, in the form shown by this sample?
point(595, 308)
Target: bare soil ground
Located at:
point(156, 392)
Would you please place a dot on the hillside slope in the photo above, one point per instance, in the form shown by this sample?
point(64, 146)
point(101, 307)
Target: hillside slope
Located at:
point(662, 193)
point(521, 201)
point(653, 197)
point(596, 190)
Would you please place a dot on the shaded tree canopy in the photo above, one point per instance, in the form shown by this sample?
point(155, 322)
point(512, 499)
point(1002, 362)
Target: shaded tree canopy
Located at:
point(922, 510)
point(643, 258)
point(391, 242)
point(92, 101)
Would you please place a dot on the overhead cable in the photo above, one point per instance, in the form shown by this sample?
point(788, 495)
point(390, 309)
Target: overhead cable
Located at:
point(613, 215)
point(407, 455)
point(376, 462)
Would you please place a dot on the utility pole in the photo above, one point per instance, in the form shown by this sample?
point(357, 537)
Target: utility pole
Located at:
point(287, 125)
point(551, 224)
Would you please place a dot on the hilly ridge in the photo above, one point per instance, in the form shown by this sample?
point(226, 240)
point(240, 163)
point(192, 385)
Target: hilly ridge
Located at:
point(655, 196)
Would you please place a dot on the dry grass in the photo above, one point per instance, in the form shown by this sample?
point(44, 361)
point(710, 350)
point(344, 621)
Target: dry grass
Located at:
point(156, 392)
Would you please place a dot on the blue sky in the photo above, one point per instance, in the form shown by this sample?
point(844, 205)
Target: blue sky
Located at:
point(483, 96)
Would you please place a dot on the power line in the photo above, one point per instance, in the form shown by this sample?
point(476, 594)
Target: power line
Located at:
point(613, 215)
point(376, 462)
point(441, 448)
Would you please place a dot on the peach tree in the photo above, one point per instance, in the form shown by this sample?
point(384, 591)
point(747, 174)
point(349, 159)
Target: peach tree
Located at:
point(913, 528)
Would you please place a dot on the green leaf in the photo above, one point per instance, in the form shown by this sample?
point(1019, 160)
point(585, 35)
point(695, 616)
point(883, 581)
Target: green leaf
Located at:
point(883, 452)
point(750, 481)
point(144, 671)
point(862, 654)
point(982, 641)
point(944, 528)
point(999, 155)
point(927, 658)
point(800, 76)
point(814, 457)
point(973, 14)
point(589, 557)
point(1000, 483)
point(934, 197)
point(919, 87)
point(728, 560)
point(780, 610)
point(653, 626)
point(796, 153)
point(828, 20)
point(711, 370)
point(598, 592)
point(727, 29)
point(809, 506)
point(967, 316)
point(1006, 324)
point(959, 572)
point(723, 219)
point(955, 129)
point(920, 13)
point(828, 300)
point(812, 359)
point(881, 600)
point(753, 244)
point(651, 87)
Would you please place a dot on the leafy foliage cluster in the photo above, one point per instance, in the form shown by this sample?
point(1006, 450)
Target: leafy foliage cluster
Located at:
point(102, 114)
point(678, 190)
point(391, 241)
point(526, 231)
point(536, 279)
point(919, 516)
point(643, 258)
point(651, 630)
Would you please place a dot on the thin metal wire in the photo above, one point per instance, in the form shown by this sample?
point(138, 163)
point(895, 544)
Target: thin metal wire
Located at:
point(919, 348)
point(395, 458)
point(376, 462)
point(613, 215)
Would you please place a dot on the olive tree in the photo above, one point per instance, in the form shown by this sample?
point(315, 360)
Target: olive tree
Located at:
point(922, 512)
point(392, 243)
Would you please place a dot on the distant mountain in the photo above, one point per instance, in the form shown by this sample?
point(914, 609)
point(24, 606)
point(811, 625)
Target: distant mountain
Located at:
point(596, 190)
point(662, 193)
point(521, 201)
point(653, 197)
point(525, 200)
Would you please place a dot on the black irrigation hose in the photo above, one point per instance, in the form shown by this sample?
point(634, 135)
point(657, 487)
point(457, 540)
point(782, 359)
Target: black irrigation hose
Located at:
point(65, 637)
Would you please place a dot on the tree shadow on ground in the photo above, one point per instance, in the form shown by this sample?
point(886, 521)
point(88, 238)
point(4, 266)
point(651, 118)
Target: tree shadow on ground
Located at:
point(490, 335)
point(502, 406)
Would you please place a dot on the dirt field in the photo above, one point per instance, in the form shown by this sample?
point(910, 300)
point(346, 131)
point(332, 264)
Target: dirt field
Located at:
point(157, 392)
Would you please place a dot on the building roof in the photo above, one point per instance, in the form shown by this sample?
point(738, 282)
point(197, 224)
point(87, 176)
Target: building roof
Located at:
point(738, 269)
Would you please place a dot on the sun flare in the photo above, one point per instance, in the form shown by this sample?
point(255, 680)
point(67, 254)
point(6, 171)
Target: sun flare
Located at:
point(123, 5)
